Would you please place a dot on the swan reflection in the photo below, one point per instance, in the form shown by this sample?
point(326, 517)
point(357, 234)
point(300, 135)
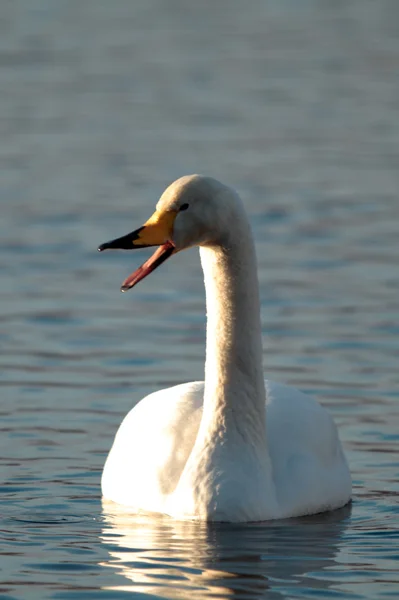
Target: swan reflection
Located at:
point(165, 558)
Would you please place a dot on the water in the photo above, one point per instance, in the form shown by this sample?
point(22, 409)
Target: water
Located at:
point(102, 104)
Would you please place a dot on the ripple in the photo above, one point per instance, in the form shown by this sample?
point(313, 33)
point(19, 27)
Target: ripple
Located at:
point(103, 104)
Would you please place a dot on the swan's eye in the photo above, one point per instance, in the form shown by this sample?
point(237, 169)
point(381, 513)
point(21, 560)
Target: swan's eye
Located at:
point(184, 206)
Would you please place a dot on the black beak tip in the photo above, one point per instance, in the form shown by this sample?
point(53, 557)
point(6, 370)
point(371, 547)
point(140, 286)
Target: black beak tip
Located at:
point(126, 242)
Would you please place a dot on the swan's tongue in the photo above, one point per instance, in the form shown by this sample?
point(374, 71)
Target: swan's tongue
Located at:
point(159, 256)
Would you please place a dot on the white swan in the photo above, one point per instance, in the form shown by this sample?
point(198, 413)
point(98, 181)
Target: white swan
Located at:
point(235, 447)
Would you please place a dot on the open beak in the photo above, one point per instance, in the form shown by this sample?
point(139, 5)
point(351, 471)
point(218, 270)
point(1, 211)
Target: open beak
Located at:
point(157, 231)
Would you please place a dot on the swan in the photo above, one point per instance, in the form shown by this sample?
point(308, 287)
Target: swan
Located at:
point(235, 447)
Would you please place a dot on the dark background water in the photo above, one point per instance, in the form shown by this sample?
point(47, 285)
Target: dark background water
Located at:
point(102, 104)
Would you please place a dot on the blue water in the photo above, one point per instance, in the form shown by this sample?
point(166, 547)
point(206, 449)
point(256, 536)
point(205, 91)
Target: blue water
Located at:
point(102, 104)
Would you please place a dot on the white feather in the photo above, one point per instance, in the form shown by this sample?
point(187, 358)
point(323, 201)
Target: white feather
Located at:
point(235, 447)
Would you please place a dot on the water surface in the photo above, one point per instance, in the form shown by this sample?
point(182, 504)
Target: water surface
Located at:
point(102, 105)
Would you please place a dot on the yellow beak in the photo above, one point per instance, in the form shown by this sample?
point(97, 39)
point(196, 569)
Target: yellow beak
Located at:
point(157, 231)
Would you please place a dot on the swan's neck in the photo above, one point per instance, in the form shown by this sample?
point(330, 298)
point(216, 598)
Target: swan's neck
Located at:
point(234, 399)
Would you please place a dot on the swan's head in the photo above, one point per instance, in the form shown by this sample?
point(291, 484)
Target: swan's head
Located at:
point(193, 211)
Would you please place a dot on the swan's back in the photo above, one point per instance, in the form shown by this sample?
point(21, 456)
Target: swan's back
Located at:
point(155, 440)
point(309, 468)
point(152, 446)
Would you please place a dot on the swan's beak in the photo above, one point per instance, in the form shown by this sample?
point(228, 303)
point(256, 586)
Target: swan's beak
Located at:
point(157, 231)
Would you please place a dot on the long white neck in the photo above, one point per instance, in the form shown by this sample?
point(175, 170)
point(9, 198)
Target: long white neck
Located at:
point(234, 399)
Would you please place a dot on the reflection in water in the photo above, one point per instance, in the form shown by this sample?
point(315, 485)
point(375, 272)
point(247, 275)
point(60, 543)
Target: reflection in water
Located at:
point(181, 559)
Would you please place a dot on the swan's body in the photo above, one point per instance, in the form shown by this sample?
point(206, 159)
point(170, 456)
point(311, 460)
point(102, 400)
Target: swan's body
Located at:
point(232, 448)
